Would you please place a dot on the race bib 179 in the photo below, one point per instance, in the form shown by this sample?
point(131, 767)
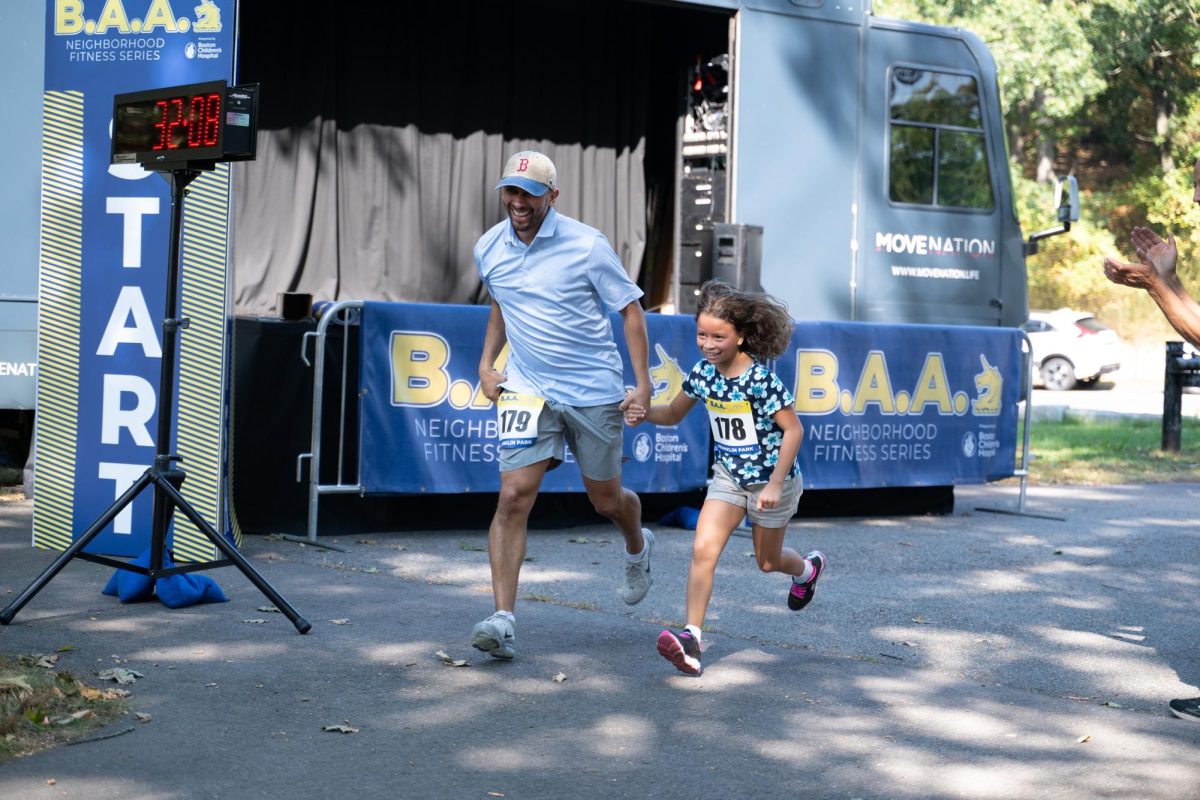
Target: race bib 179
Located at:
point(518, 417)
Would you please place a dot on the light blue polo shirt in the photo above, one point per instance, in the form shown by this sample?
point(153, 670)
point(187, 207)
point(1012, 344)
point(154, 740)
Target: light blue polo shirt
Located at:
point(556, 295)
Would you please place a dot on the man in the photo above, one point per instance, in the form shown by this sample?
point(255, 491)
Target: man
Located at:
point(1155, 272)
point(553, 282)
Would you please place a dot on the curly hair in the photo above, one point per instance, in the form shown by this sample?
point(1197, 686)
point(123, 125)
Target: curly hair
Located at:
point(762, 321)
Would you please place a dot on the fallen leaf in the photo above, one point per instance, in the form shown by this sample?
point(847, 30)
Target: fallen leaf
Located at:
point(39, 660)
point(909, 644)
point(142, 716)
point(471, 547)
point(445, 657)
point(371, 570)
point(211, 685)
point(1111, 704)
point(11, 682)
point(495, 794)
point(920, 621)
point(559, 678)
point(338, 729)
point(339, 622)
point(1077, 697)
point(578, 540)
point(66, 648)
point(1082, 739)
point(86, 713)
point(121, 675)
point(365, 541)
point(269, 609)
point(256, 621)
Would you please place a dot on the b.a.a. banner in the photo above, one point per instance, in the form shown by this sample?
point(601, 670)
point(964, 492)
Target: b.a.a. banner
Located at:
point(428, 427)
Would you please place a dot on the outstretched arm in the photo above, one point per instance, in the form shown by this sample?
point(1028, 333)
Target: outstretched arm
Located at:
point(670, 414)
point(1156, 274)
point(638, 345)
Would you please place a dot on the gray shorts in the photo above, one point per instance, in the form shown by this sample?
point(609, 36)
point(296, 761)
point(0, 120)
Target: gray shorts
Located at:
point(726, 488)
point(594, 434)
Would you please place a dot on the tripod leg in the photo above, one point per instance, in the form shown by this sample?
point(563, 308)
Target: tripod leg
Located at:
point(230, 552)
point(92, 532)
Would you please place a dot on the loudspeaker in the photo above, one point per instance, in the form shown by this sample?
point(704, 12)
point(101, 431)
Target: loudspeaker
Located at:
point(737, 255)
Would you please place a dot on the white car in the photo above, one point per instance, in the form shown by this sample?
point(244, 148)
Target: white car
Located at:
point(1070, 348)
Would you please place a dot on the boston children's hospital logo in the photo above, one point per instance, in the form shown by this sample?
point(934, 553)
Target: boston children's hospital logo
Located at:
point(147, 16)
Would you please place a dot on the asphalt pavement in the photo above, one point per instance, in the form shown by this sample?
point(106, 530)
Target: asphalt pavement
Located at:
point(979, 654)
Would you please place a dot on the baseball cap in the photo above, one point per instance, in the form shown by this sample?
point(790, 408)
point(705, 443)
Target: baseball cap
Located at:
point(529, 170)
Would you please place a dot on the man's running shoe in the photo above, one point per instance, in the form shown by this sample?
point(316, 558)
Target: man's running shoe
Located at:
point(637, 574)
point(1188, 708)
point(682, 650)
point(801, 594)
point(494, 636)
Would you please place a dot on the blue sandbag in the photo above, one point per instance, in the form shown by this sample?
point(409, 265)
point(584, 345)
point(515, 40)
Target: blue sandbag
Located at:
point(687, 517)
point(174, 591)
point(682, 517)
point(132, 587)
point(187, 588)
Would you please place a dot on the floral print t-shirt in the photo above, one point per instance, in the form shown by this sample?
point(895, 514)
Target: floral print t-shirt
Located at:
point(745, 437)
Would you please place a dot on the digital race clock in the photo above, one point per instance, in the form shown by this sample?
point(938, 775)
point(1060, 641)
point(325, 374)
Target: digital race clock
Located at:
point(185, 126)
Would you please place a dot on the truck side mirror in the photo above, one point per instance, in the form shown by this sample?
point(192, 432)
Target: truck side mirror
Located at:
point(1066, 198)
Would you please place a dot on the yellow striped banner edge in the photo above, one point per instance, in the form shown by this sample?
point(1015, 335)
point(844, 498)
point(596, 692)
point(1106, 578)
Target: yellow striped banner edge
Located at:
point(61, 247)
point(200, 419)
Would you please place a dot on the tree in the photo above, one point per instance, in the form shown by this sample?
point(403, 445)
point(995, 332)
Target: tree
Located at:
point(1149, 52)
point(1046, 66)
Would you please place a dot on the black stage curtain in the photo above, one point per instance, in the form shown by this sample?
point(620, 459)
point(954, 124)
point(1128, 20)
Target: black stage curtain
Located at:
point(384, 126)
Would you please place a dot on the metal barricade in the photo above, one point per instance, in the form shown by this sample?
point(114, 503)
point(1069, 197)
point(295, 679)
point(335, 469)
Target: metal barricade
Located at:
point(345, 313)
point(1180, 372)
point(1027, 397)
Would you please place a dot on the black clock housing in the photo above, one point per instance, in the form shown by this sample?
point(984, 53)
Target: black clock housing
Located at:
point(197, 125)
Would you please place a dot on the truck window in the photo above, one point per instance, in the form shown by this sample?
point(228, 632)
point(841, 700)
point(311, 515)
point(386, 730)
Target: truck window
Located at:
point(936, 148)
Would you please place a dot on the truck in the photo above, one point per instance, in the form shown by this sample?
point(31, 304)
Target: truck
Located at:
point(22, 34)
point(851, 165)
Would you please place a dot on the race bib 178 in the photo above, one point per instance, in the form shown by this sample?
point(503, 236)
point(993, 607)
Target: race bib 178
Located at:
point(732, 426)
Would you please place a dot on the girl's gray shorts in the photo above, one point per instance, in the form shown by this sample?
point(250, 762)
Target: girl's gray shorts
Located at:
point(725, 487)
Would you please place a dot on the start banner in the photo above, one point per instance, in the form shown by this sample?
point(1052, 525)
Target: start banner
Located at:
point(881, 405)
point(105, 231)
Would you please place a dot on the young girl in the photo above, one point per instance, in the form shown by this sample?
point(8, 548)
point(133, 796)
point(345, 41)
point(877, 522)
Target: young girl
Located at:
point(756, 438)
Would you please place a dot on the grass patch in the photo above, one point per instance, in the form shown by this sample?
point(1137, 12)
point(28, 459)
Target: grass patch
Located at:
point(41, 708)
point(1094, 453)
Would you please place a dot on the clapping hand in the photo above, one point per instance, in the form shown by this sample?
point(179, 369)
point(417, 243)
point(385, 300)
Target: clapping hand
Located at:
point(1153, 250)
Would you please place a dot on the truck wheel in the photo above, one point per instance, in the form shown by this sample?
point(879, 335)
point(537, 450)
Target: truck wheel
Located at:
point(1058, 374)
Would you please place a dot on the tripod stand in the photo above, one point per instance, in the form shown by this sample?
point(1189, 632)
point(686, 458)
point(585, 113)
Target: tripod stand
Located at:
point(165, 479)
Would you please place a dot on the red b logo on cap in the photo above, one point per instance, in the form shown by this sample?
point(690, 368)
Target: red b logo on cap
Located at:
point(523, 165)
